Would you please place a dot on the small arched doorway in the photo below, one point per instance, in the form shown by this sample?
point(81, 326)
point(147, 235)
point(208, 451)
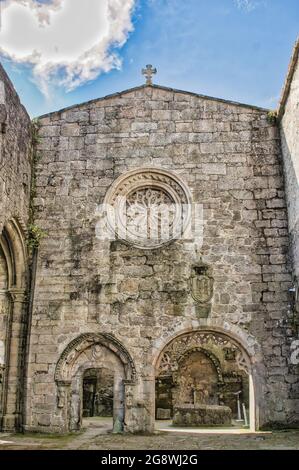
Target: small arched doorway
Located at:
point(204, 379)
point(93, 369)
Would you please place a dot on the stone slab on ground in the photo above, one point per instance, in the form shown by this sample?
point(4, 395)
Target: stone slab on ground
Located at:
point(163, 413)
point(202, 415)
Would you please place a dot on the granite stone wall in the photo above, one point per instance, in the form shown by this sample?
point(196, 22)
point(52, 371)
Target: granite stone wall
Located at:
point(15, 182)
point(289, 127)
point(229, 156)
point(15, 166)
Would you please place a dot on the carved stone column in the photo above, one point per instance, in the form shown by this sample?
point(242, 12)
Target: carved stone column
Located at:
point(134, 409)
point(3, 334)
point(11, 419)
point(2, 374)
point(63, 404)
point(118, 404)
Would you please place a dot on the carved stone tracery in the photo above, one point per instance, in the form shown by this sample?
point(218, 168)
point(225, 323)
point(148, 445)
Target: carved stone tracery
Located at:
point(89, 342)
point(168, 361)
point(208, 354)
point(195, 369)
point(151, 207)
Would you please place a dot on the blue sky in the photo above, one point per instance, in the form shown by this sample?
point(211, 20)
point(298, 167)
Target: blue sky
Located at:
point(232, 49)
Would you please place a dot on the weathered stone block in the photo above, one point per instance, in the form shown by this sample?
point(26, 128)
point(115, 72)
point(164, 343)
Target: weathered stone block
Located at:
point(202, 415)
point(70, 130)
point(214, 168)
point(163, 413)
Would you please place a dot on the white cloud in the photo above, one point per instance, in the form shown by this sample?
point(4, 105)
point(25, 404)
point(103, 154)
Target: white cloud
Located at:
point(247, 5)
point(67, 42)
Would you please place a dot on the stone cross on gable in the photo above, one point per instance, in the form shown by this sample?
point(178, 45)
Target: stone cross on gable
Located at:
point(149, 72)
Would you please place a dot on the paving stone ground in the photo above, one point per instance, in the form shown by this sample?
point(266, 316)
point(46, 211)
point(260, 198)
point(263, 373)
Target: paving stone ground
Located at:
point(97, 436)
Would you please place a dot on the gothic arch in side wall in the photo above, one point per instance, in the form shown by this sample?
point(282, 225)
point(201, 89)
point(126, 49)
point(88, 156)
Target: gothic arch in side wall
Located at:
point(13, 307)
point(92, 351)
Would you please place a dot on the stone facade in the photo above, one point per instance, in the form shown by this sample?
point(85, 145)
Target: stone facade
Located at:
point(229, 157)
point(121, 305)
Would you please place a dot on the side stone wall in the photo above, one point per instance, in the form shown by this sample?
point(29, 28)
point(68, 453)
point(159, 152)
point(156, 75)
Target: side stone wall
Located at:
point(289, 130)
point(15, 165)
point(289, 127)
point(15, 183)
point(230, 157)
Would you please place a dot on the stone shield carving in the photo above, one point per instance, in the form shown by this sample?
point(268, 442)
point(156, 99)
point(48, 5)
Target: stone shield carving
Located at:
point(148, 207)
point(202, 284)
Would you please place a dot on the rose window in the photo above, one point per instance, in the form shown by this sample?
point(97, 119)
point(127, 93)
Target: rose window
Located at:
point(148, 208)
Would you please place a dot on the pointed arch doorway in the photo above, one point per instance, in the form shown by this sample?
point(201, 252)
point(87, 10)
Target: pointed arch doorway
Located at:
point(13, 324)
point(88, 357)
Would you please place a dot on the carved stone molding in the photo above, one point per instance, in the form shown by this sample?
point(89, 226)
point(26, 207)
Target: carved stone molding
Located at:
point(18, 295)
point(3, 293)
point(207, 353)
point(199, 340)
point(90, 341)
point(63, 387)
point(149, 207)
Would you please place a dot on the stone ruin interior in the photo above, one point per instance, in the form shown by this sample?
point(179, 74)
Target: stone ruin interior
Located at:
point(203, 386)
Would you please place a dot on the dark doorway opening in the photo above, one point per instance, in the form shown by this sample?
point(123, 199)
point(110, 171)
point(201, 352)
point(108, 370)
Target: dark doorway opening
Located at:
point(98, 393)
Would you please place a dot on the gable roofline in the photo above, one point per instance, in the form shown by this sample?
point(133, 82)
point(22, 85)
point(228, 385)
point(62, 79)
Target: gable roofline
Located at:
point(288, 81)
point(157, 87)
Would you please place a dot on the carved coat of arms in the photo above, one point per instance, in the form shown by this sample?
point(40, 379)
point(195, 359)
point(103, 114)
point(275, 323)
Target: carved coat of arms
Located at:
point(202, 284)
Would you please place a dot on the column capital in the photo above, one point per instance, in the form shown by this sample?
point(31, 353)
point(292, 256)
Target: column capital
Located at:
point(17, 295)
point(3, 292)
point(63, 383)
